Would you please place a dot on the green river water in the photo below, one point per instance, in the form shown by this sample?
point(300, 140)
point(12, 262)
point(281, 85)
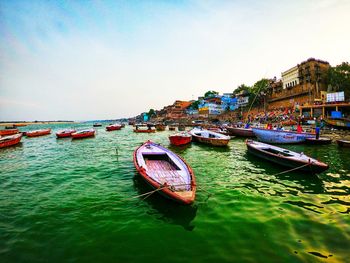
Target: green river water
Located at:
point(72, 201)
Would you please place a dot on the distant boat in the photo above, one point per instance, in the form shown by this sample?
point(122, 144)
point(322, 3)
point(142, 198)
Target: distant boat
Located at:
point(172, 128)
point(65, 133)
point(339, 123)
point(97, 124)
point(10, 140)
point(83, 134)
point(181, 128)
point(8, 132)
point(318, 141)
point(160, 127)
point(241, 132)
point(37, 133)
point(166, 172)
point(343, 143)
point(209, 137)
point(278, 136)
point(113, 127)
point(144, 129)
point(180, 139)
point(285, 157)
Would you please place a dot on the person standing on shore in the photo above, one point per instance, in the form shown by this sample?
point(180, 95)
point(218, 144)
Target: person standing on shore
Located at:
point(317, 128)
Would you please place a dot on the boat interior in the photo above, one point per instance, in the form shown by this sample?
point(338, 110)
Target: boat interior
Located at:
point(163, 169)
point(274, 151)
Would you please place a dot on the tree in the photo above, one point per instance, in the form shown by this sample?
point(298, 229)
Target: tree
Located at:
point(339, 78)
point(210, 94)
point(151, 113)
point(194, 105)
point(242, 88)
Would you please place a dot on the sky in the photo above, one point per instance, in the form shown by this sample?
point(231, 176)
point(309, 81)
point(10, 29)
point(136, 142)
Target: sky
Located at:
point(86, 60)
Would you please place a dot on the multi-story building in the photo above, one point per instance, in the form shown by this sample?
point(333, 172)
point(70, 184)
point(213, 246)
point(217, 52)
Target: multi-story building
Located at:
point(178, 109)
point(301, 85)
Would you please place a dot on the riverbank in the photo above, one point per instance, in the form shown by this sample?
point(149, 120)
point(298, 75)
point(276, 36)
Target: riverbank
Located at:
point(21, 124)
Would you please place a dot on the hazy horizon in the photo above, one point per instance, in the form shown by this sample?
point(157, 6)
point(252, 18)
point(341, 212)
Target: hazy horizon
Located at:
point(90, 60)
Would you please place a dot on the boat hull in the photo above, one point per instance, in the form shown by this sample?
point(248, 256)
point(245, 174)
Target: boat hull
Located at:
point(38, 133)
point(144, 131)
point(11, 140)
point(283, 161)
point(320, 141)
point(343, 143)
point(242, 132)
point(113, 128)
point(282, 137)
point(179, 140)
point(83, 135)
point(165, 191)
point(8, 132)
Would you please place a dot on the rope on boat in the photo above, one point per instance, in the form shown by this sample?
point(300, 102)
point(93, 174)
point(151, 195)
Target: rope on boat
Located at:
point(294, 169)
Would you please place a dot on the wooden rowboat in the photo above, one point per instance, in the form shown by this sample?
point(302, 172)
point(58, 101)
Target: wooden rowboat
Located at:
point(285, 157)
point(8, 132)
point(278, 136)
point(147, 130)
point(37, 133)
point(160, 127)
point(65, 133)
point(318, 141)
point(113, 127)
point(83, 134)
point(10, 140)
point(242, 132)
point(343, 143)
point(180, 139)
point(209, 137)
point(166, 172)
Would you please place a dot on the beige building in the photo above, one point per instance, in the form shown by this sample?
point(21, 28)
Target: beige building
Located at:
point(290, 78)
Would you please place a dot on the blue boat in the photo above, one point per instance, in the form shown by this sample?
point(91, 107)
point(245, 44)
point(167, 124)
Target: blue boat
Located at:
point(283, 137)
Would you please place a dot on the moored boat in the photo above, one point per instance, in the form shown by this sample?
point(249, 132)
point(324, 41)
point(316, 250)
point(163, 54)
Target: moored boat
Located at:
point(285, 157)
point(180, 138)
point(113, 127)
point(8, 132)
point(10, 140)
point(242, 132)
point(209, 137)
point(166, 172)
point(160, 127)
point(321, 140)
point(83, 134)
point(37, 133)
point(343, 143)
point(65, 133)
point(280, 136)
point(341, 123)
point(144, 129)
point(97, 124)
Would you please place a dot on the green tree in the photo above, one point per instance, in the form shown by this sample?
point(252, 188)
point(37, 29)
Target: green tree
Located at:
point(339, 78)
point(210, 94)
point(242, 89)
point(194, 105)
point(151, 113)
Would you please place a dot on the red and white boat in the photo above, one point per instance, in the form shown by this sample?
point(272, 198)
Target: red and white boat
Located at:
point(83, 134)
point(166, 172)
point(65, 133)
point(8, 132)
point(180, 138)
point(10, 140)
point(113, 127)
point(37, 133)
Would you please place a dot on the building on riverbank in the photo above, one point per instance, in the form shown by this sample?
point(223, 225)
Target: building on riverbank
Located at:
point(300, 85)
